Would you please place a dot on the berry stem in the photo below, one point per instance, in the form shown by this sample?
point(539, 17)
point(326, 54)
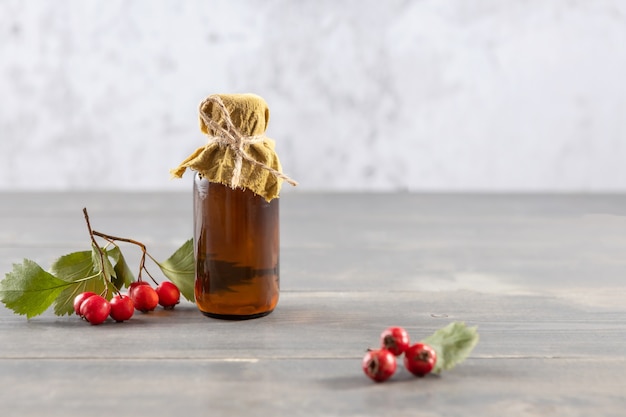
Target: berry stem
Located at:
point(150, 275)
point(100, 252)
point(144, 251)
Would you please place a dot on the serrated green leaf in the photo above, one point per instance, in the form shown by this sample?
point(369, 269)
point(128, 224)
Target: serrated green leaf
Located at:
point(123, 275)
point(75, 268)
point(30, 290)
point(453, 345)
point(102, 263)
point(180, 269)
point(64, 303)
point(82, 271)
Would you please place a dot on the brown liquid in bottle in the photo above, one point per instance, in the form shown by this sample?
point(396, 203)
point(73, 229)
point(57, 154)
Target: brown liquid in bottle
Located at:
point(236, 237)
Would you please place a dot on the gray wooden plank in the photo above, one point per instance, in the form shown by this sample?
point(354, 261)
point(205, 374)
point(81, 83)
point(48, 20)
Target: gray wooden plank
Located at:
point(510, 243)
point(319, 387)
point(494, 269)
point(333, 325)
point(309, 220)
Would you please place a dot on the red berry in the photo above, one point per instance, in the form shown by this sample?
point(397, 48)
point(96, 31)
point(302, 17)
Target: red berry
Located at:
point(95, 309)
point(420, 359)
point(78, 300)
point(379, 364)
point(122, 308)
point(395, 339)
point(134, 286)
point(145, 298)
point(169, 294)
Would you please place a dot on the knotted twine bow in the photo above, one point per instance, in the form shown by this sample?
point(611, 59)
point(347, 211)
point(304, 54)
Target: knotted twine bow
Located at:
point(233, 138)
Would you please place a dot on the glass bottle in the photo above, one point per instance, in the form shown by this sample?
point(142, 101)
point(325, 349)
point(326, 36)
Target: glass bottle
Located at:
point(236, 239)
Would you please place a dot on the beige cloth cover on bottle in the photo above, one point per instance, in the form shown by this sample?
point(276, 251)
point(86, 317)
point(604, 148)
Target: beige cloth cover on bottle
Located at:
point(238, 154)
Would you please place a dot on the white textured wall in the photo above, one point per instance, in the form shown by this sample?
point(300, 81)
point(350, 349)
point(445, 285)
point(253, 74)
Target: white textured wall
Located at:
point(386, 95)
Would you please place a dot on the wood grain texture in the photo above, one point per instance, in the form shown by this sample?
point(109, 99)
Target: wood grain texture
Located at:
point(304, 387)
point(542, 277)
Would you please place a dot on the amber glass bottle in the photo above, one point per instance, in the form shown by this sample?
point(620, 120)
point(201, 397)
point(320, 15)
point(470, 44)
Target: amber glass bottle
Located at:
point(236, 237)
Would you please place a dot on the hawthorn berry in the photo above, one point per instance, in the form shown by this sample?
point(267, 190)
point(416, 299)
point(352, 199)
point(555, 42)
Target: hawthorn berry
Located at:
point(80, 298)
point(420, 359)
point(95, 309)
point(144, 297)
point(395, 339)
point(169, 295)
point(122, 308)
point(379, 364)
point(134, 286)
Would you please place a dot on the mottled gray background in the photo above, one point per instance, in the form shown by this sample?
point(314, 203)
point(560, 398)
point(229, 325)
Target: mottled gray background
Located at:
point(483, 95)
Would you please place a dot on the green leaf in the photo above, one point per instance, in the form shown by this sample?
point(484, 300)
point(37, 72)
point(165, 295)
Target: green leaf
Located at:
point(102, 262)
point(64, 303)
point(453, 345)
point(82, 271)
point(123, 275)
point(30, 290)
point(73, 266)
point(76, 268)
point(180, 269)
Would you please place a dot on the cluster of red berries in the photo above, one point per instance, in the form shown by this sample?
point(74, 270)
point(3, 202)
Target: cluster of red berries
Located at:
point(380, 364)
point(141, 296)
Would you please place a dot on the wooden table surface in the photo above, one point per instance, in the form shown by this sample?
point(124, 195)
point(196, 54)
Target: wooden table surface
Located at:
point(543, 278)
